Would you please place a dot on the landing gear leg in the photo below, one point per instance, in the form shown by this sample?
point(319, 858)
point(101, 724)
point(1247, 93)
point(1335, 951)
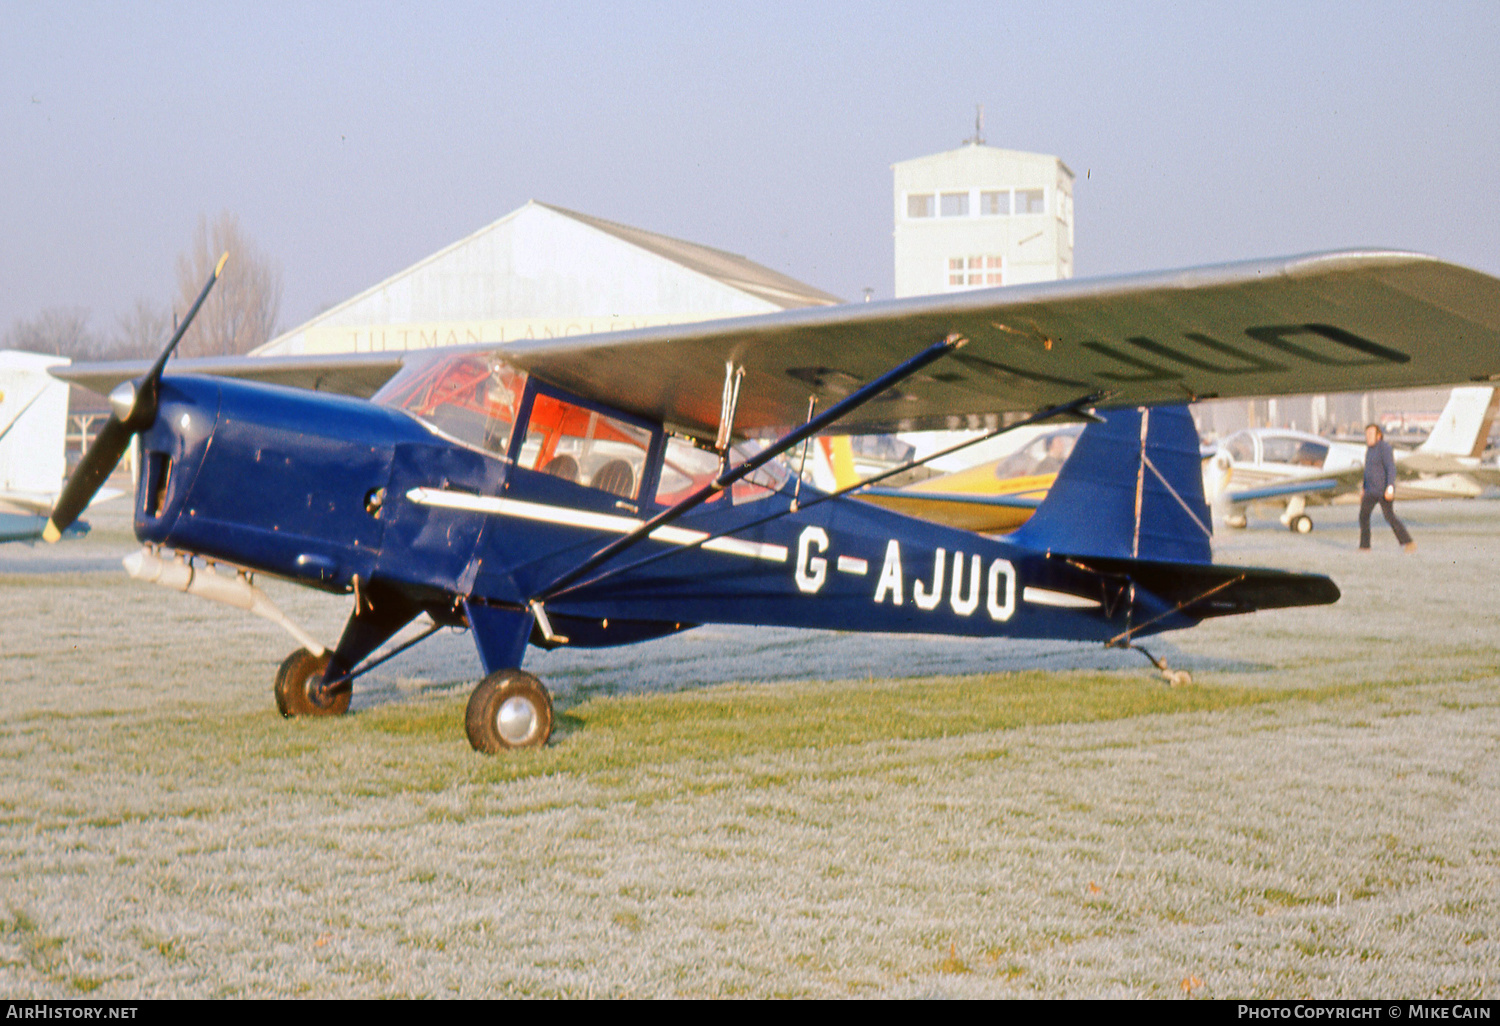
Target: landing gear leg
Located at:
point(509, 709)
point(1294, 518)
point(302, 683)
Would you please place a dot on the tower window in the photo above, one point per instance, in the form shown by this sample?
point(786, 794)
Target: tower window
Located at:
point(1031, 201)
point(919, 205)
point(955, 204)
point(995, 204)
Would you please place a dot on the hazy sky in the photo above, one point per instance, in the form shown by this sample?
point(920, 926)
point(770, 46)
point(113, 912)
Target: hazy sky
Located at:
point(352, 139)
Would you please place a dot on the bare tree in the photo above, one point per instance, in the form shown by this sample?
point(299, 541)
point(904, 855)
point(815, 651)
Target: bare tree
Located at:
point(56, 331)
point(242, 309)
point(141, 333)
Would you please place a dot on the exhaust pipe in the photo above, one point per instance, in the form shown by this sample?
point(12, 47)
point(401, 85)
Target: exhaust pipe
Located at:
point(181, 575)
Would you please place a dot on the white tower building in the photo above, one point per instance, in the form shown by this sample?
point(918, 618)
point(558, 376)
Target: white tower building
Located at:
point(980, 216)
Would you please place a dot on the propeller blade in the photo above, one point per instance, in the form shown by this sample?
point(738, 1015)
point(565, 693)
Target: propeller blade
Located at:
point(143, 410)
point(135, 405)
point(92, 471)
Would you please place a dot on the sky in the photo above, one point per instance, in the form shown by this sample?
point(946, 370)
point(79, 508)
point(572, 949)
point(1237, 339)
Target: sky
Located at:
point(353, 139)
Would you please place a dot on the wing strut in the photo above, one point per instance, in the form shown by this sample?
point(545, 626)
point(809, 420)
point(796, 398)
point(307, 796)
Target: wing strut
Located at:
point(1077, 407)
point(17, 418)
point(863, 395)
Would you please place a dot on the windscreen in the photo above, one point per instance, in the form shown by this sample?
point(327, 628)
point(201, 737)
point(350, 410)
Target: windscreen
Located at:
point(471, 398)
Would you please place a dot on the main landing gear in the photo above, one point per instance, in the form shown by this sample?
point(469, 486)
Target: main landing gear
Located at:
point(1295, 520)
point(297, 687)
point(509, 709)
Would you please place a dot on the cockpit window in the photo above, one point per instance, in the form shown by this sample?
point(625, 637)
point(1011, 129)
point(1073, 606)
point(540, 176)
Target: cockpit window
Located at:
point(763, 481)
point(471, 398)
point(1044, 455)
point(686, 468)
point(1301, 452)
point(1241, 447)
point(584, 446)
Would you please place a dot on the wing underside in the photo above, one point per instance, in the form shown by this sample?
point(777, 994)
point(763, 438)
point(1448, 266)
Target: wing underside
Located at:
point(1321, 323)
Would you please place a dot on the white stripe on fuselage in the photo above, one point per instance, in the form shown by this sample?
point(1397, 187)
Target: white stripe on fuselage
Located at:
point(1061, 599)
point(593, 521)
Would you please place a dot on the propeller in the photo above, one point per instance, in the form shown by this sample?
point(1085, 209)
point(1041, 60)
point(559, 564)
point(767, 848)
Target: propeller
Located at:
point(133, 406)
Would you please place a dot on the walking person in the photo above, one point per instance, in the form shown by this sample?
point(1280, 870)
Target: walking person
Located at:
point(1380, 487)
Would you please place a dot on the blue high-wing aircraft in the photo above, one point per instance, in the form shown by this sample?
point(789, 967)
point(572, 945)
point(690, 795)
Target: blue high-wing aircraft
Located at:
point(590, 491)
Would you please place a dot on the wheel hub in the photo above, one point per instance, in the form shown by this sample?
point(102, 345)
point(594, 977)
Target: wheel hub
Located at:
point(516, 720)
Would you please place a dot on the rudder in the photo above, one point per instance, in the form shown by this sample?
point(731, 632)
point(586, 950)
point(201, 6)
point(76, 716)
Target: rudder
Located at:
point(1132, 489)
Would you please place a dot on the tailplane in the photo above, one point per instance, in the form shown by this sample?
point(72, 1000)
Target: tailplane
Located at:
point(1132, 489)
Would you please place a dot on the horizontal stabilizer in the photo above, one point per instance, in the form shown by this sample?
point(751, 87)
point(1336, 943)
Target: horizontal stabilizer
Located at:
point(1207, 590)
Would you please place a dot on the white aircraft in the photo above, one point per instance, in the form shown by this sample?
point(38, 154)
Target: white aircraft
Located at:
point(33, 430)
point(1271, 465)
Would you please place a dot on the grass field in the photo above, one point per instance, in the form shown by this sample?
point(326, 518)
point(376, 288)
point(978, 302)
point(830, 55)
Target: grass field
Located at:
point(766, 813)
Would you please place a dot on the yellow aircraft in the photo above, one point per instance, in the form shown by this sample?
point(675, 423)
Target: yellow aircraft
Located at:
point(994, 497)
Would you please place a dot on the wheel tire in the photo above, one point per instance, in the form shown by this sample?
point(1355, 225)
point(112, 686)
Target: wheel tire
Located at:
point(1302, 524)
point(509, 709)
point(294, 687)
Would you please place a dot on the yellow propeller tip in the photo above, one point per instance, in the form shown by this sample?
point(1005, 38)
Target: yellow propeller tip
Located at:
point(222, 261)
point(50, 533)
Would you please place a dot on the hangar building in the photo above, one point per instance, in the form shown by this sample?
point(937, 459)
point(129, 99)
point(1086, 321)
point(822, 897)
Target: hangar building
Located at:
point(542, 271)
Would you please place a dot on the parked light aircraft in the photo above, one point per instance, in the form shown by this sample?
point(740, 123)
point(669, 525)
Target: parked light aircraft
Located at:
point(993, 497)
point(588, 490)
point(1296, 469)
point(33, 427)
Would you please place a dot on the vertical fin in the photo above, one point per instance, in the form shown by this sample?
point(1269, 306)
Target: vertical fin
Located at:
point(1133, 489)
point(1463, 427)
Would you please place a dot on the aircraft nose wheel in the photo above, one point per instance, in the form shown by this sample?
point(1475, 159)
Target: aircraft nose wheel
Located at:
point(294, 686)
point(1301, 524)
point(509, 709)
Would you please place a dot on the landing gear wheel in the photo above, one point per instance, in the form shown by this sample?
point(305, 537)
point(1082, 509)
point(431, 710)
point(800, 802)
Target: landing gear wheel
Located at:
point(1301, 524)
point(295, 681)
point(509, 709)
point(1236, 520)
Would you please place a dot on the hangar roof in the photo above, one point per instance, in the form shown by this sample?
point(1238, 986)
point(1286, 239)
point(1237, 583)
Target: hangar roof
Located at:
point(730, 268)
point(543, 271)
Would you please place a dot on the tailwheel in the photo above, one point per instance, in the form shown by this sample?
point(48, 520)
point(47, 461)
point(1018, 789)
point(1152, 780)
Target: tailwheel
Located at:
point(509, 709)
point(295, 683)
point(1172, 678)
point(1302, 524)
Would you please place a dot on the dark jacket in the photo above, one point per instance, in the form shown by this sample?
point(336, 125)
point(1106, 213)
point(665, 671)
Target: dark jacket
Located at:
point(1380, 468)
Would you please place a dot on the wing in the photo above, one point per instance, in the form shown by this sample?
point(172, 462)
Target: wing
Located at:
point(1334, 322)
point(1331, 322)
point(359, 374)
point(1321, 485)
